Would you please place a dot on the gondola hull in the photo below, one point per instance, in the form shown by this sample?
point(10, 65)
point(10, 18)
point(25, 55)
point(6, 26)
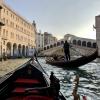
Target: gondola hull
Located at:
point(73, 63)
point(28, 82)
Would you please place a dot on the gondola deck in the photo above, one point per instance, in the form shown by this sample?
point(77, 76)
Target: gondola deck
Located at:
point(26, 83)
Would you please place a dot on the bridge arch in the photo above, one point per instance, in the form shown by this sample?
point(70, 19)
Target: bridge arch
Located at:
point(44, 48)
point(89, 44)
point(79, 42)
point(62, 42)
point(8, 49)
point(94, 45)
point(51, 46)
point(47, 47)
point(19, 50)
point(58, 43)
point(15, 51)
point(23, 50)
point(74, 42)
point(84, 43)
point(27, 51)
point(54, 44)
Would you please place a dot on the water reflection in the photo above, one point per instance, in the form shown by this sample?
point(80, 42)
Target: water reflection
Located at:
point(89, 79)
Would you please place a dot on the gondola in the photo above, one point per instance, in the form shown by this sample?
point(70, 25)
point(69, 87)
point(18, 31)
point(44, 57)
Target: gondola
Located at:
point(73, 63)
point(28, 82)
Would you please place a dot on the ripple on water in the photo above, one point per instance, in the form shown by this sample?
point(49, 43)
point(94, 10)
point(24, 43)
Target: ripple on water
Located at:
point(89, 79)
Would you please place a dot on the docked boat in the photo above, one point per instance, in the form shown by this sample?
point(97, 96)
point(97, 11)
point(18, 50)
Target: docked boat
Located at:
point(28, 82)
point(73, 63)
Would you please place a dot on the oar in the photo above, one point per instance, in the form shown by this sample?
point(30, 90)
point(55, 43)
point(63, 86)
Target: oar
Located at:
point(39, 63)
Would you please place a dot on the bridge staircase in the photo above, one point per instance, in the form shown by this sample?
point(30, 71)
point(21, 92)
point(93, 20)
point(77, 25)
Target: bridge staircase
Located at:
point(75, 51)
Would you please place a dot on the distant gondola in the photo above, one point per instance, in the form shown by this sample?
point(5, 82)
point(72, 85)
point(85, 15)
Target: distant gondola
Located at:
point(28, 82)
point(73, 63)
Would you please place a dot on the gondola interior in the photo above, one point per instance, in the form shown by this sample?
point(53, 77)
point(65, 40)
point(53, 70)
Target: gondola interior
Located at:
point(27, 83)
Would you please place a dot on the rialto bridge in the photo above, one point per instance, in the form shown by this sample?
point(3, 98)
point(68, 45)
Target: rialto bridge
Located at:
point(73, 40)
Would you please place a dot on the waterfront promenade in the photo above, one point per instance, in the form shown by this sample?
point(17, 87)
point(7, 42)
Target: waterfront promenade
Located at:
point(10, 65)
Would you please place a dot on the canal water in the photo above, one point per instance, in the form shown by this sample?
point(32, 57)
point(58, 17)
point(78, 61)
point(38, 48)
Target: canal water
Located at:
point(89, 84)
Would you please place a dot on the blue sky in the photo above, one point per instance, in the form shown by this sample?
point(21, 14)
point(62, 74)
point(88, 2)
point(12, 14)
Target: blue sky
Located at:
point(60, 17)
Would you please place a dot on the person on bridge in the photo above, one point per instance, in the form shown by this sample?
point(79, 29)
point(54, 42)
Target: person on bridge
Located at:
point(66, 50)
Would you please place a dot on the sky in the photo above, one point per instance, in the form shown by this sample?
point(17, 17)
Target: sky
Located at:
point(60, 17)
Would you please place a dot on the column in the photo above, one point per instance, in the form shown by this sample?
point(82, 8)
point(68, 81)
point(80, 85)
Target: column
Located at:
point(11, 51)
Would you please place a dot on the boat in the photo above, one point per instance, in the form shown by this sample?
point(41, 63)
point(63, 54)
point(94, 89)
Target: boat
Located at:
point(28, 82)
point(73, 63)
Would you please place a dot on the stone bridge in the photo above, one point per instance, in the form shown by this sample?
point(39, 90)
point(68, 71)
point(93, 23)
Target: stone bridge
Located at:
point(74, 51)
point(80, 46)
point(73, 40)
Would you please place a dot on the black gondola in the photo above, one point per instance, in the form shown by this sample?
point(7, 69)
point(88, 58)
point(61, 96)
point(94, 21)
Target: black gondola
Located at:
point(73, 63)
point(28, 82)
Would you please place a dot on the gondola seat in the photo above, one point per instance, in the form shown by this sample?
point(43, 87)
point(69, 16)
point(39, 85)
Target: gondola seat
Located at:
point(38, 98)
point(20, 90)
point(31, 98)
point(27, 81)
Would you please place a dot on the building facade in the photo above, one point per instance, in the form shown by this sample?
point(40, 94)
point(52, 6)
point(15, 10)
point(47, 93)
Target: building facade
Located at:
point(17, 35)
point(49, 39)
point(97, 27)
point(39, 41)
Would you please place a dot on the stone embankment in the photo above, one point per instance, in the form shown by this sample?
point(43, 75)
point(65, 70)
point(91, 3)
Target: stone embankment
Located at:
point(10, 65)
